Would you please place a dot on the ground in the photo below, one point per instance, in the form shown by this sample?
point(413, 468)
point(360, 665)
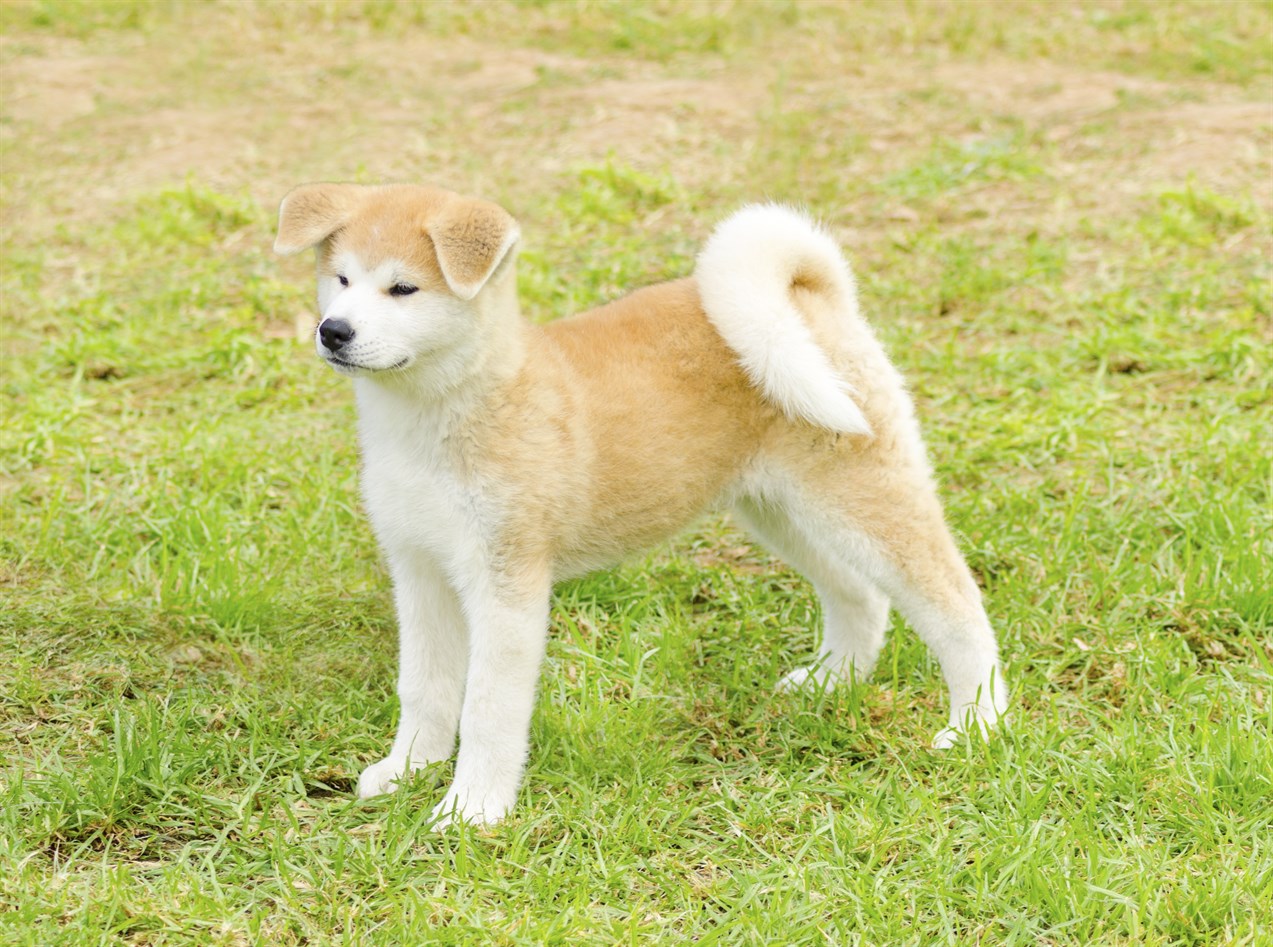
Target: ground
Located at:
point(1059, 215)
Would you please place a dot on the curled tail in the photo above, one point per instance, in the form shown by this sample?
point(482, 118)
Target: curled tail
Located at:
point(746, 274)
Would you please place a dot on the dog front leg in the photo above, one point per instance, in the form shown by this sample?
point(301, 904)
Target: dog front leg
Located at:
point(508, 632)
point(433, 655)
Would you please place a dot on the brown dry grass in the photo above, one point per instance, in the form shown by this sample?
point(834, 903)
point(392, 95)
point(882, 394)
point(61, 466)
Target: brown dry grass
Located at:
point(1059, 214)
point(240, 98)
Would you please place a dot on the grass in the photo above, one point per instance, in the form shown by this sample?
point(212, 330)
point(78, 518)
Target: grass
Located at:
point(1061, 225)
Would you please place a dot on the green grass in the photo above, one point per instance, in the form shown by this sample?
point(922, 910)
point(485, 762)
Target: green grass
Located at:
point(196, 635)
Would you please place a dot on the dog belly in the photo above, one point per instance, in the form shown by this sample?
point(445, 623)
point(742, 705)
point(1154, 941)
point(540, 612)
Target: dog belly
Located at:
point(636, 512)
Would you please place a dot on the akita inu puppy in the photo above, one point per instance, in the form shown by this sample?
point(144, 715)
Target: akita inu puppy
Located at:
point(500, 456)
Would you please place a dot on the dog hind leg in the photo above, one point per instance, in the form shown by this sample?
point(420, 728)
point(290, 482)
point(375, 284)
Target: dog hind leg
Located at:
point(854, 612)
point(899, 539)
point(895, 536)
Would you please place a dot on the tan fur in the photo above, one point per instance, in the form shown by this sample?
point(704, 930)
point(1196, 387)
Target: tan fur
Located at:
point(450, 241)
point(662, 418)
point(520, 454)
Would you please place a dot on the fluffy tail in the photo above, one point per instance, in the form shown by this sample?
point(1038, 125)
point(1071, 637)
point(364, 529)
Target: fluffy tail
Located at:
point(745, 277)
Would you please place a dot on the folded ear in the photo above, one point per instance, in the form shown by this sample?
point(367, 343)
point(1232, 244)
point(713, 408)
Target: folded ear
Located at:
point(471, 239)
point(311, 213)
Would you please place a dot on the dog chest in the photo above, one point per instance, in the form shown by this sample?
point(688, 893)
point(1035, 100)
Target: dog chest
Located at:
point(415, 493)
point(414, 504)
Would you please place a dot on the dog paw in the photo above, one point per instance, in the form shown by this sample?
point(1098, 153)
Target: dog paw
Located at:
point(983, 719)
point(800, 677)
point(476, 809)
point(381, 778)
point(814, 677)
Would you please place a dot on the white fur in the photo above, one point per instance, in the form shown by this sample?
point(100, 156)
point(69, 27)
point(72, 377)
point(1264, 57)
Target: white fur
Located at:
point(855, 582)
point(471, 642)
point(464, 654)
point(745, 274)
point(390, 332)
point(442, 339)
point(469, 660)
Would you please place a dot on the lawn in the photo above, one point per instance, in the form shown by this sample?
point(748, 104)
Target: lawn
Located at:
point(1061, 217)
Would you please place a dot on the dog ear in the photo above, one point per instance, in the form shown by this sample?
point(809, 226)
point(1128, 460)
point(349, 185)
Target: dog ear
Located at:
point(471, 239)
point(311, 213)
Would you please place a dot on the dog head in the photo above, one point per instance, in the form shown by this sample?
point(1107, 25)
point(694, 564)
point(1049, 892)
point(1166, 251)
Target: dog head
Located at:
point(401, 271)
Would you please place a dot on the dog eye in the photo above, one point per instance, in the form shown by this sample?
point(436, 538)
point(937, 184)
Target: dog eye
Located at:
point(402, 289)
point(343, 280)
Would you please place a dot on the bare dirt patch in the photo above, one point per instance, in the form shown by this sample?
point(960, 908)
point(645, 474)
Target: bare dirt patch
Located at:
point(56, 88)
point(1122, 135)
point(86, 125)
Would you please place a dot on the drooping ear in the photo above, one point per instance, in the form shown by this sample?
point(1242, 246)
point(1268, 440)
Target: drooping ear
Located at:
point(471, 239)
point(311, 213)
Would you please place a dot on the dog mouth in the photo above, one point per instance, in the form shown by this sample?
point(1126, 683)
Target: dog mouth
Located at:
point(351, 368)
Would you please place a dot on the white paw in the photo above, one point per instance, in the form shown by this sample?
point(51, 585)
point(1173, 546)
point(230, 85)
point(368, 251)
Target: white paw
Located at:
point(799, 678)
point(946, 738)
point(984, 719)
point(474, 808)
point(818, 677)
point(381, 778)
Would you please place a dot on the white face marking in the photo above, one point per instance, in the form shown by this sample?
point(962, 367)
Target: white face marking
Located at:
point(388, 332)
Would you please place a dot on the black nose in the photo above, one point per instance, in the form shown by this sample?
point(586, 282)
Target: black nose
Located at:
point(335, 334)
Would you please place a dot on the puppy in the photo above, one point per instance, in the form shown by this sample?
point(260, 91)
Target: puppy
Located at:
point(500, 456)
